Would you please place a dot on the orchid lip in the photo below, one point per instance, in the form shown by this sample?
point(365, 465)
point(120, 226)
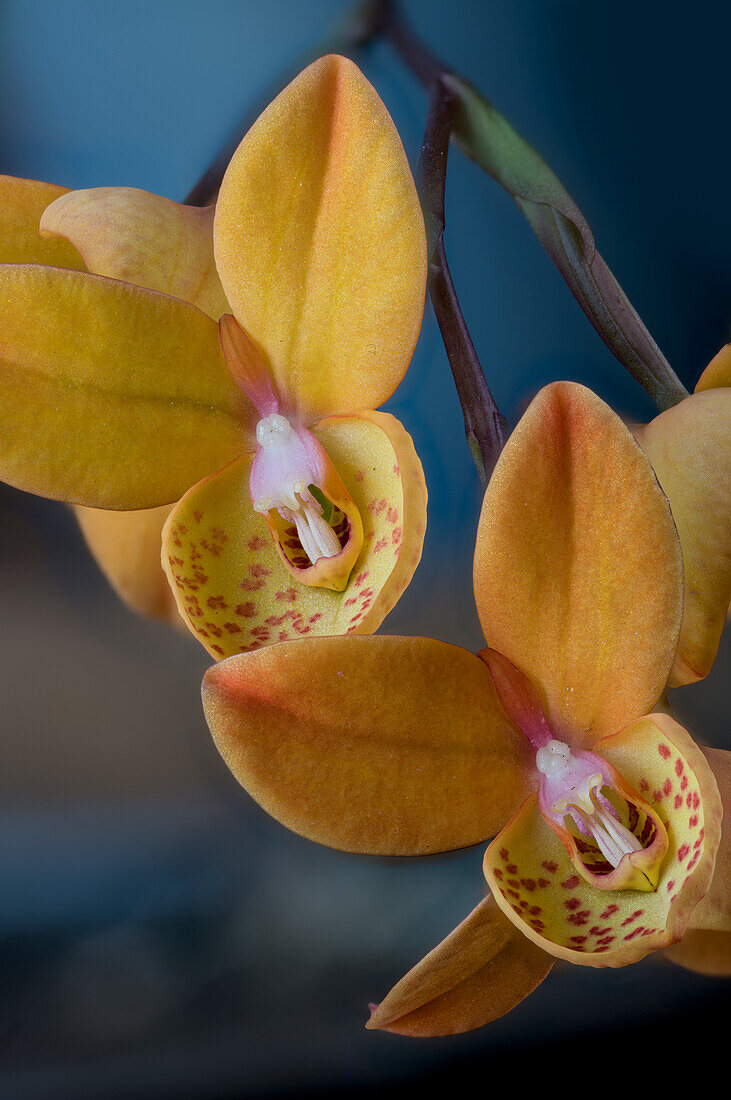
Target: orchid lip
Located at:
point(580, 799)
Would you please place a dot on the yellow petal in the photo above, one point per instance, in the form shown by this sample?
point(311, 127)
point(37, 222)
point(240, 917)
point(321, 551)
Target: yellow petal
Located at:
point(704, 953)
point(718, 371)
point(227, 573)
point(395, 746)
point(482, 970)
point(578, 573)
point(144, 239)
point(536, 885)
point(320, 244)
point(689, 447)
point(139, 238)
point(22, 203)
point(112, 396)
point(126, 546)
point(714, 911)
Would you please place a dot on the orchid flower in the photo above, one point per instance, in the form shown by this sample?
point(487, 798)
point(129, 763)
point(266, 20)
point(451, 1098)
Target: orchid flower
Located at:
point(689, 447)
point(139, 238)
point(407, 746)
point(307, 508)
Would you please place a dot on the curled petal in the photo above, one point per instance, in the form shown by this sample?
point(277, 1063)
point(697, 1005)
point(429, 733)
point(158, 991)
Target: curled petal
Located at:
point(113, 396)
point(536, 885)
point(714, 911)
point(320, 243)
point(689, 447)
point(22, 203)
point(143, 239)
point(704, 952)
point(576, 529)
point(226, 571)
point(396, 746)
point(718, 371)
point(126, 546)
point(483, 969)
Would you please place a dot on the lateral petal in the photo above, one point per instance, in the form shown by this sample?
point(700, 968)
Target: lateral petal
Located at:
point(703, 952)
point(226, 571)
point(22, 203)
point(126, 389)
point(320, 243)
point(689, 447)
point(718, 371)
point(576, 531)
point(391, 746)
point(144, 239)
point(480, 971)
point(126, 547)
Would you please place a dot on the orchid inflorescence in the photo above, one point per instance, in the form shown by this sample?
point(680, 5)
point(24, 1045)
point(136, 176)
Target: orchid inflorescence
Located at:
point(206, 385)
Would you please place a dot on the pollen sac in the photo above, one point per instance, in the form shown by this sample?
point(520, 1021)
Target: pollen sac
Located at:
point(615, 840)
point(309, 512)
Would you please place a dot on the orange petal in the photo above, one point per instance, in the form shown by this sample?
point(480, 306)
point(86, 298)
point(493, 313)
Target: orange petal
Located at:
point(320, 243)
point(704, 953)
point(113, 396)
point(483, 969)
point(227, 574)
point(126, 546)
point(395, 746)
point(578, 574)
point(22, 203)
point(144, 239)
point(718, 371)
point(536, 885)
point(689, 447)
point(714, 911)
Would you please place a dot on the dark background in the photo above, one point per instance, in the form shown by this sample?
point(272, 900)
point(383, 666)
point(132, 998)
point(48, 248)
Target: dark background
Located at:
point(159, 935)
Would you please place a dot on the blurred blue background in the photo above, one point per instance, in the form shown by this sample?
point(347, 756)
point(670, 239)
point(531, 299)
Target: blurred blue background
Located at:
point(159, 935)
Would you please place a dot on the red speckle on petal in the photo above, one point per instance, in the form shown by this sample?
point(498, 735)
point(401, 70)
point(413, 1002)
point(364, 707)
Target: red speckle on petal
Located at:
point(550, 866)
point(683, 852)
point(678, 766)
point(664, 751)
point(571, 883)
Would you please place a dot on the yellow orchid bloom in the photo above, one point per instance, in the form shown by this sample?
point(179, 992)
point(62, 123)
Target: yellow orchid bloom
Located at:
point(139, 238)
point(320, 255)
point(689, 447)
point(407, 746)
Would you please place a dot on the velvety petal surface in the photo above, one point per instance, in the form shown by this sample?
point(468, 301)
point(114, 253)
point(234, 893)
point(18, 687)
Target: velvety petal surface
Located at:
point(126, 547)
point(320, 244)
point(113, 396)
point(480, 971)
point(226, 572)
point(395, 746)
point(144, 239)
point(535, 884)
point(689, 447)
point(718, 371)
point(22, 203)
point(578, 572)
